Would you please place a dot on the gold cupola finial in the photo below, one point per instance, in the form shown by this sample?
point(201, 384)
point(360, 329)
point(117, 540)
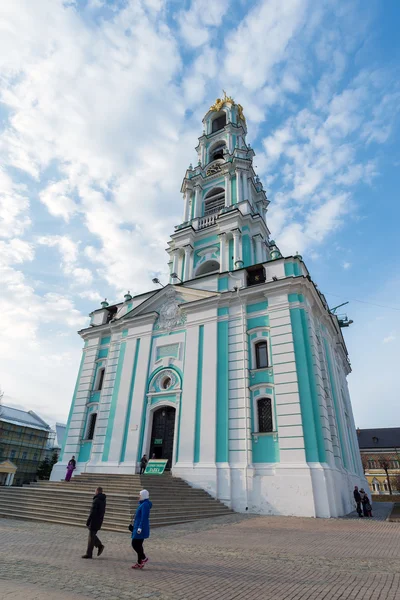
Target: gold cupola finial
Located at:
point(218, 104)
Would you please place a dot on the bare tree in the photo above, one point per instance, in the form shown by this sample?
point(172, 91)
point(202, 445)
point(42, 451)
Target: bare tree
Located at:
point(384, 464)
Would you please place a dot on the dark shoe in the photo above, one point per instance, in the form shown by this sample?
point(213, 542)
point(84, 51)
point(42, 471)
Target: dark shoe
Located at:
point(100, 550)
point(86, 556)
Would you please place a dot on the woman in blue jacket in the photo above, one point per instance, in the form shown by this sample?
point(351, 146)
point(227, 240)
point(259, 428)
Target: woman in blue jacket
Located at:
point(141, 528)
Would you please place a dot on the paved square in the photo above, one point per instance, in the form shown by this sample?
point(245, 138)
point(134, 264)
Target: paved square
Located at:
point(225, 558)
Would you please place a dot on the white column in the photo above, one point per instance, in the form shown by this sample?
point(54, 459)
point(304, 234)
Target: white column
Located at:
point(288, 408)
point(75, 430)
point(175, 262)
point(188, 256)
point(188, 401)
point(237, 249)
point(258, 240)
point(228, 199)
point(246, 187)
point(239, 195)
point(208, 397)
point(186, 215)
point(139, 402)
point(197, 201)
point(222, 252)
point(12, 478)
point(8, 479)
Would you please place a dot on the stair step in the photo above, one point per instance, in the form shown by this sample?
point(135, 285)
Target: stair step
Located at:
point(174, 501)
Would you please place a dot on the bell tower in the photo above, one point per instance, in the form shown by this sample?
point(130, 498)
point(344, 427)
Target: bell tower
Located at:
point(224, 218)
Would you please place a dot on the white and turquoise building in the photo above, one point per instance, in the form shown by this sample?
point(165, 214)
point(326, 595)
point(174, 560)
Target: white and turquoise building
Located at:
point(236, 370)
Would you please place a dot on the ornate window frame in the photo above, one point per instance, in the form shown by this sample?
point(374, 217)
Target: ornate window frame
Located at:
point(259, 337)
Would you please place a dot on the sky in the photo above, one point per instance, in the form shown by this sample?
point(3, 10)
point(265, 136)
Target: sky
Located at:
point(101, 105)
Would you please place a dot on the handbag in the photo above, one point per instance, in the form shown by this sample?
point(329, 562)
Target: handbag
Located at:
point(130, 527)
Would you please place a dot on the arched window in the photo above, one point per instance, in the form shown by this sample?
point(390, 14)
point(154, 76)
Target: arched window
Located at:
point(219, 123)
point(264, 414)
point(214, 201)
point(210, 266)
point(261, 355)
point(91, 426)
point(217, 151)
point(100, 379)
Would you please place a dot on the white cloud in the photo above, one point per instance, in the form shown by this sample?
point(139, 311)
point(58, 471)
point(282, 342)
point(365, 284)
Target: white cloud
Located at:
point(14, 205)
point(346, 265)
point(57, 197)
point(260, 41)
point(389, 338)
point(69, 257)
point(196, 22)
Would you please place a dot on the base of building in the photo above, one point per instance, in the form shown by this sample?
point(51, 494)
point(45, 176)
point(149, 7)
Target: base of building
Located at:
point(301, 490)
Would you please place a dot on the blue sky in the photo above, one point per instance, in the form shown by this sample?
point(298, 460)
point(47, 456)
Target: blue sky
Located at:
point(100, 109)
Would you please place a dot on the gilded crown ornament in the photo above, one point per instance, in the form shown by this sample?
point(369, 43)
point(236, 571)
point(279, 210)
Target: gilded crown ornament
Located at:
point(219, 103)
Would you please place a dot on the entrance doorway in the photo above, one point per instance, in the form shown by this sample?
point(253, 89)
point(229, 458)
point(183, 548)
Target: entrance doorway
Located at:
point(162, 434)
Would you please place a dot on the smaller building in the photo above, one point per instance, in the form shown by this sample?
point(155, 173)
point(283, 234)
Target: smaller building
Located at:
point(380, 456)
point(23, 439)
point(55, 441)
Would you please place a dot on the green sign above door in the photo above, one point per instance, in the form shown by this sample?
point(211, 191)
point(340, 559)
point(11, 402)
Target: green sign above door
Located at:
point(158, 442)
point(155, 467)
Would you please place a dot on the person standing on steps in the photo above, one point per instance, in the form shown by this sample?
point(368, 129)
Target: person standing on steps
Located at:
point(357, 499)
point(143, 464)
point(94, 523)
point(70, 468)
point(141, 528)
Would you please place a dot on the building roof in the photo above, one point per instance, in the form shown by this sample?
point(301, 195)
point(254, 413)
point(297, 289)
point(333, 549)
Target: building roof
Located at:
point(23, 418)
point(60, 434)
point(388, 437)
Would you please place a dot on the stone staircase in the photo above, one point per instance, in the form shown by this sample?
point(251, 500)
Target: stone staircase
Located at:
point(68, 503)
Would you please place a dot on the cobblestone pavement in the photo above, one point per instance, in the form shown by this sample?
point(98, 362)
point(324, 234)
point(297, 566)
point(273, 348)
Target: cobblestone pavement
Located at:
point(227, 558)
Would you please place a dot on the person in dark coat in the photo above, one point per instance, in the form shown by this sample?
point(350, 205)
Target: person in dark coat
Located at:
point(141, 528)
point(357, 498)
point(94, 523)
point(143, 464)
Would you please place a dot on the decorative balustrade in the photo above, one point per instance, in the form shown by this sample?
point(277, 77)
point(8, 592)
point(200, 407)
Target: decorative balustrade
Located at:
point(207, 221)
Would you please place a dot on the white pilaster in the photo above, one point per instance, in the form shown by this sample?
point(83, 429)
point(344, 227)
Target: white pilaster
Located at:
point(291, 438)
point(188, 402)
point(188, 263)
point(228, 199)
point(237, 249)
point(139, 401)
point(258, 248)
point(222, 252)
point(239, 191)
point(209, 395)
point(186, 215)
point(175, 264)
point(197, 201)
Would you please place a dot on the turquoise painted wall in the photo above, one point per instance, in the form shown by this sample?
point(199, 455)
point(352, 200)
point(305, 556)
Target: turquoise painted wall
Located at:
point(247, 254)
point(231, 258)
point(265, 450)
point(233, 190)
point(199, 392)
point(85, 451)
point(292, 268)
point(222, 448)
point(105, 340)
point(129, 407)
point(306, 396)
point(71, 410)
point(336, 404)
point(114, 400)
point(257, 307)
point(258, 322)
point(211, 239)
point(222, 284)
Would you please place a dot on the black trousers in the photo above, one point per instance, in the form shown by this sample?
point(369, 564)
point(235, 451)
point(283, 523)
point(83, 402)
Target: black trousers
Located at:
point(142, 469)
point(137, 545)
point(359, 508)
point(93, 542)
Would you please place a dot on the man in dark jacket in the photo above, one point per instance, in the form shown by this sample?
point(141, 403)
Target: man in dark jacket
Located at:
point(357, 498)
point(94, 523)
